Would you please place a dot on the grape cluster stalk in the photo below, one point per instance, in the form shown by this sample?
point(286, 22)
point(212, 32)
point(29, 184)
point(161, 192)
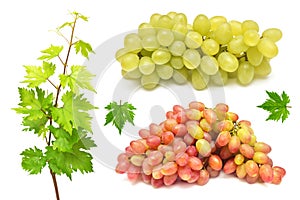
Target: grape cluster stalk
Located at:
point(195, 144)
point(210, 50)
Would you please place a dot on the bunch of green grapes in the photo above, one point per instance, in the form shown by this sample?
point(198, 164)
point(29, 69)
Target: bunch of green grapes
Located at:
point(208, 50)
point(195, 144)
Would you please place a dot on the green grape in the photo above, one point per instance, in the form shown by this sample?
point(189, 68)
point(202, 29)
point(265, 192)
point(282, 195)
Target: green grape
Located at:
point(232, 74)
point(120, 53)
point(130, 62)
point(254, 56)
point(144, 52)
point(223, 33)
point(216, 21)
point(165, 71)
point(180, 76)
point(267, 47)
point(193, 40)
point(165, 22)
point(150, 81)
point(177, 48)
point(236, 27)
point(134, 74)
point(146, 66)
point(180, 18)
point(228, 62)
point(171, 14)
point(176, 62)
point(249, 25)
point(146, 29)
point(165, 37)
point(191, 58)
point(251, 37)
point(154, 19)
point(150, 43)
point(264, 69)
point(179, 31)
point(210, 47)
point(237, 45)
point(132, 42)
point(201, 24)
point(199, 79)
point(161, 56)
point(273, 34)
point(209, 65)
point(245, 73)
point(220, 78)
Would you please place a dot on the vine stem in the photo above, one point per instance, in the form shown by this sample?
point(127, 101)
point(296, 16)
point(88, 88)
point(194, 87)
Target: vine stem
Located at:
point(55, 184)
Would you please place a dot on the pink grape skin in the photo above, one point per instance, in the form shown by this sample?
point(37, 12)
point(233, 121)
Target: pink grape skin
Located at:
point(133, 173)
point(144, 133)
point(197, 105)
point(156, 172)
point(215, 162)
point(260, 158)
point(167, 137)
point(146, 178)
point(247, 150)
point(182, 159)
point(191, 150)
point(169, 124)
point(225, 125)
point(170, 180)
point(157, 183)
point(146, 167)
point(232, 116)
point(155, 157)
point(223, 138)
point(244, 135)
point(207, 137)
point(252, 168)
point(212, 173)
point(193, 114)
point(241, 171)
point(262, 147)
point(184, 172)
point(188, 139)
point(155, 129)
point(181, 117)
point(244, 122)
point(170, 115)
point(169, 168)
point(266, 173)
point(205, 126)
point(229, 166)
point(153, 141)
point(129, 151)
point(177, 108)
point(179, 147)
point(225, 153)
point(170, 155)
point(234, 144)
point(179, 130)
point(164, 148)
point(221, 110)
point(210, 115)
point(280, 170)
point(137, 147)
point(122, 166)
point(122, 157)
point(252, 180)
point(203, 177)
point(195, 163)
point(194, 176)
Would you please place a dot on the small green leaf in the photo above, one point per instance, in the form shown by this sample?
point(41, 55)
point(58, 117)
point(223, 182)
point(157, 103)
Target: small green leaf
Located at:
point(119, 114)
point(51, 52)
point(37, 75)
point(84, 48)
point(277, 106)
point(33, 160)
point(63, 140)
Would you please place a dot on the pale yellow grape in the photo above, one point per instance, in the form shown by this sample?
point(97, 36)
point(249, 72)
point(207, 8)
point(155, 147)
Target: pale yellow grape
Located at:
point(254, 56)
point(251, 37)
point(171, 14)
point(144, 52)
point(130, 61)
point(267, 47)
point(146, 65)
point(191, 58)
point(165, 71)
point(179, 31)
point(180, 18)
point(236, 27)
point(146, 29)
point(150, 43)
point(180, 76)
point(165, 37)
point(273, 34)
point(132, 42)
point(199, 79)
point(161, 56)
point(228, 62)
point(201, 24)
point(193, 40)
point(209, 65)
point(120, 53)
point(177, 48)
point(232, 74)
point(220, 78)
point(190, 27)
point(134, 74)
point(223, 33)
point(245, 73)
point(150, 81)
point(210, 47)
point(237, 45)
point(216, 21)
point(165, 22)
point(176, 62)
point(154, 19)
point(264, 69)
point(249, 25)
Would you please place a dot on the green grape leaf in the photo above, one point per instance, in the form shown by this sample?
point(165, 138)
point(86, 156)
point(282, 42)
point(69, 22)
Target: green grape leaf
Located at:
point(36, 106)
point(33, 160)
point(69, 162)
point(37, 75)
point(51, 52)
point(84, 48)
point(277, 106)
point(63, 140)
point(119, 114)
point(73, 113)
point(80, 77)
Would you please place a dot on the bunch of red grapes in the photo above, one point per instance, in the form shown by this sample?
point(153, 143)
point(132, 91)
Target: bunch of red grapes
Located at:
point(197, 143)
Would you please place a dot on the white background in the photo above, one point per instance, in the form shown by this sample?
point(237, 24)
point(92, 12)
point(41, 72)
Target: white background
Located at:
point(24, 32)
